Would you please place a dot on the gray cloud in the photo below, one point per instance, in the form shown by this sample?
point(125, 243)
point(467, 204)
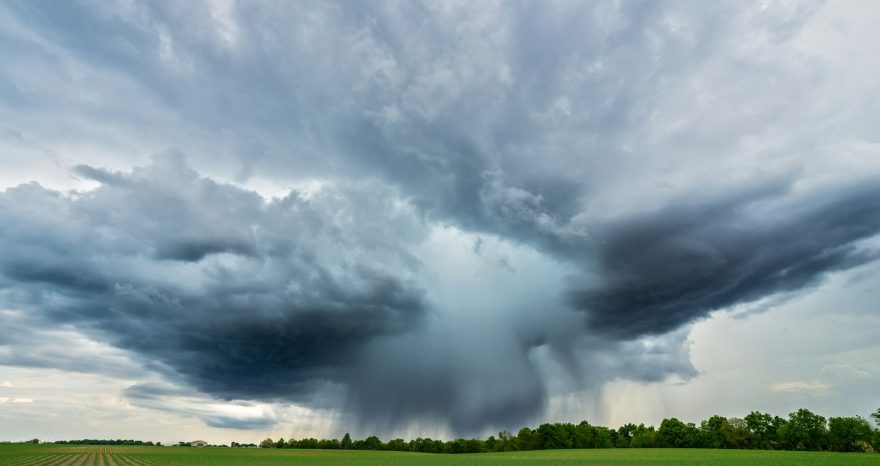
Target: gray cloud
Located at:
point(265, 320)
point(670, 266)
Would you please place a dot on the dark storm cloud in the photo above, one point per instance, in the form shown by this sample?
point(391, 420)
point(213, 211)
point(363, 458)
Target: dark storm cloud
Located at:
point(671, 266)
point(263, 321)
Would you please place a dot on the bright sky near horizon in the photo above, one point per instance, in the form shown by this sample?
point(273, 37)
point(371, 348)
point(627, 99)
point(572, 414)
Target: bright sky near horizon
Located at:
point(230, 220)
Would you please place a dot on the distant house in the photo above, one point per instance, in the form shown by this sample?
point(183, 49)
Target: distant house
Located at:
point(198, 443)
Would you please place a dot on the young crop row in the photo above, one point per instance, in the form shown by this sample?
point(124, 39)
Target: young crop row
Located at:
point(86, 456)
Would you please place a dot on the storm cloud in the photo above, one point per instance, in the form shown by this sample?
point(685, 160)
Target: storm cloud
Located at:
point(412, 214)
point(675, 264)
point(256, 301)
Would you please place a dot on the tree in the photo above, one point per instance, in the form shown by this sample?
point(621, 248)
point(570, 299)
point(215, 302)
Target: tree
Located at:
point(504, 441)
point(329, 444)
point(625, 435)
point(876, 416)
point(372, 443)
point(849, 434)
point(645, 437)
point(764, 430)
point(396, 444)
point(554, 436)
point(804, 431)
point(280, 443)
point(715, 432)
point(527, 439)
point(677, 434)
point(346, 442)
point(739, 434)
point(268, 443)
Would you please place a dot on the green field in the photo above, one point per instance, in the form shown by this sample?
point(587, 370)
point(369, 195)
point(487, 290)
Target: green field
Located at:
point(69, 455)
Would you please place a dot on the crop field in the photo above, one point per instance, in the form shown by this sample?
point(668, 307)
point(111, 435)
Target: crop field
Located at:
point(69, 455)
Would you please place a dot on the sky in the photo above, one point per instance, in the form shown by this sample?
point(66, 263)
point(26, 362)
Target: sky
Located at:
point(229, 220)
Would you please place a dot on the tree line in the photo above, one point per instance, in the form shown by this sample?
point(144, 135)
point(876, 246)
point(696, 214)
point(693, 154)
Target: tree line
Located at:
point(802, 430)
point(104, 442)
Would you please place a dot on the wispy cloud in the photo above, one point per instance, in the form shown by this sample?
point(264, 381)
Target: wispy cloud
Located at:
point(811, 386)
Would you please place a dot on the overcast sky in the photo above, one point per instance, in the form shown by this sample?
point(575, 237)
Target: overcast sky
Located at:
point(231, 220)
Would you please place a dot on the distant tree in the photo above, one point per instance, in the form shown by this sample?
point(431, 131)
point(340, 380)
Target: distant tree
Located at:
point(583, 436)
point(739, 433)
point(36, 440)
point(331, 444)
point(307, 443)
point(677, 434)
point(268, 443)
point(372, 443)
point(280, 443)
point(527, 439)
point(505, 443)
point(876, 416)
point(605, 437)
point(474, 445)
point(491, 443)
point(804, 431)
point(346, 442)
point(625, 435)
point(715, 432)
point(555, 436)
point(645, 437)
point(849, 434)
point(396, 444)
point(764, 430)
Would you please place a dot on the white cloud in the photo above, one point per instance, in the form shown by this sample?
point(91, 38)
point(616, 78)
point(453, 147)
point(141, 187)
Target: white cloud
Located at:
point(812, 386)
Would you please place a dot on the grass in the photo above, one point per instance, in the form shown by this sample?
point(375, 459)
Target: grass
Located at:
point(75, 455)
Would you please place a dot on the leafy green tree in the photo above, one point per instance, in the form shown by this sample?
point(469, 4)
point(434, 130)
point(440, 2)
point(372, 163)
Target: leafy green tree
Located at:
point(268, 443)
point(625, 435)
point(876, 416)
point(849, 434)
point(677, 434)
point(307, 443)
point(763, 430)
point(346, 442)
point(372, 443)
point(329, 444)
point(396, 445)
point(280, 443)
point(491, 443)
point(505, 442)
point(555, 436)
point(645, 437)
point(527, 439)
point(804, 431)
point(739, 434)
point(715, 432)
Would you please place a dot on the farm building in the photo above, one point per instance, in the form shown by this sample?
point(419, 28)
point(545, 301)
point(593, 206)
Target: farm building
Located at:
point(198, 443)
